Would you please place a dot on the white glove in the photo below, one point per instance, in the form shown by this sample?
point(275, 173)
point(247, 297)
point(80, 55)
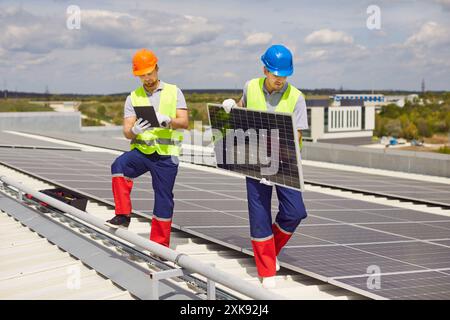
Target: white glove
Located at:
point(228, 104)
point(266, 182)
point(140, 126)
point(163, 120)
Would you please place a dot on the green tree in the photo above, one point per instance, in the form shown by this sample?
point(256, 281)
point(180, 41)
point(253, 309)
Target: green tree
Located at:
point(194, 114)
point(447, 122)
point(390, 111)
point(101, 111)
point(424, 129)
point(380, 129)
point(394, 127)
point(444, 150)
point(410, 132)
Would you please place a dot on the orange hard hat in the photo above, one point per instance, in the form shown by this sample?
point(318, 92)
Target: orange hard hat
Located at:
point(144, 61)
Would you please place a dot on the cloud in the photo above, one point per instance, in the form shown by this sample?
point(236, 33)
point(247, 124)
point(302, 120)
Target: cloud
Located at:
point(150, 28)
point(336, 55)
point(258, 39)
point(194, 30)
point(430, 34)
point(328, 37)
point(232, 43)
point(201, 47)
point(178, 51)
point(23, 31)
point(27, 32)
point(251, 40)
point(332, 46)
point(426, 49)
point(444, 3)
point(315, 55)
point(229, 74)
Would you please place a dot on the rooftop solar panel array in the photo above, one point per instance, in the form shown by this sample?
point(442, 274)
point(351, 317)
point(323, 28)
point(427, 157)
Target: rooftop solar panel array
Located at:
point(17, 141)
point(115, 141)
point(431, 192)
point(340, 241)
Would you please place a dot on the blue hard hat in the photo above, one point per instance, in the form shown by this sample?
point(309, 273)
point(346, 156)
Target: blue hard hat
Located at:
point(278, 60)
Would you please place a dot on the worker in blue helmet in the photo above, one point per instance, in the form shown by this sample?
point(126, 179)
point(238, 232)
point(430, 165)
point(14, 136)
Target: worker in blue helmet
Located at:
point(273, 93)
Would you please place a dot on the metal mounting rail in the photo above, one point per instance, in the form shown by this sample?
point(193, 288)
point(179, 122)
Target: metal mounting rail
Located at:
point(190, 264)
point(159, 269)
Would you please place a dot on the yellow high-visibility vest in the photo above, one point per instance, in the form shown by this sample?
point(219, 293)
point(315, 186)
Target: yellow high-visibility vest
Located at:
point(257, 101)
point(164, 141)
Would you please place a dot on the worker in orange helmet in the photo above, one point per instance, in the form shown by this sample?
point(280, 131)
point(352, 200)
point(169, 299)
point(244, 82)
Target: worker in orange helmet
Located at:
point(153, 150)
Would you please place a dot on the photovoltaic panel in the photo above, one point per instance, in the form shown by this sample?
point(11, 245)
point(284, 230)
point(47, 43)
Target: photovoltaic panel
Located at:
point(333, 261)
point(408, 286)
point(418, 254)
point(337, 243)
point(257, 144)
point(360, 216)
point(443, 242)
point(240, 236)
point(415, 230)
point(114, 140)
point(408, 215)
point(426, 191)
point(347, 234)
point(14, 140)
point(431, 192)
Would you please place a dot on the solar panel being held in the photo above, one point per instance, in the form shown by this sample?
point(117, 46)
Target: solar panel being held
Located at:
point(257, 144)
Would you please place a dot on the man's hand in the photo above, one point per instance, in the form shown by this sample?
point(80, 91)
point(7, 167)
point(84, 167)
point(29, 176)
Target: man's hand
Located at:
point(266, 182)
point(164, 121)
point(140, 126)
point(228, 104)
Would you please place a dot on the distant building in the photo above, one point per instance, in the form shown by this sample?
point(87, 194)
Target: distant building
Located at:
point(350, 121)
point(373, 100)
point(401, 99)
point(398, 100)
point(370, 100)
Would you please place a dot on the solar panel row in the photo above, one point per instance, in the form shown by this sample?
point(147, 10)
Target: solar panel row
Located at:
point(339, 241)
point(432, 192)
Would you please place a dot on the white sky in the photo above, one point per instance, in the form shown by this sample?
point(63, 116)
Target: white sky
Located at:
point(217, 44)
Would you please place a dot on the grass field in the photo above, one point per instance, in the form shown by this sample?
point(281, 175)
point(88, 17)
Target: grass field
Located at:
point(21, 105)
point(429, 122)
point(111, 110)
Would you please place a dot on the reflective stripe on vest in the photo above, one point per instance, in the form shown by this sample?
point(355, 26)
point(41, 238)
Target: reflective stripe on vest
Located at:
point(154, 142)
point(163, 141)
point(257, 101)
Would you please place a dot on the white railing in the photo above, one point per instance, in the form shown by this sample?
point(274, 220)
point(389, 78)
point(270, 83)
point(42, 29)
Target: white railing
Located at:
point(189, 264)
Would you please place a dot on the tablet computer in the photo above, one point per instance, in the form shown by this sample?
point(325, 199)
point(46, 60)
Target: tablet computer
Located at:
point(147, 113)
